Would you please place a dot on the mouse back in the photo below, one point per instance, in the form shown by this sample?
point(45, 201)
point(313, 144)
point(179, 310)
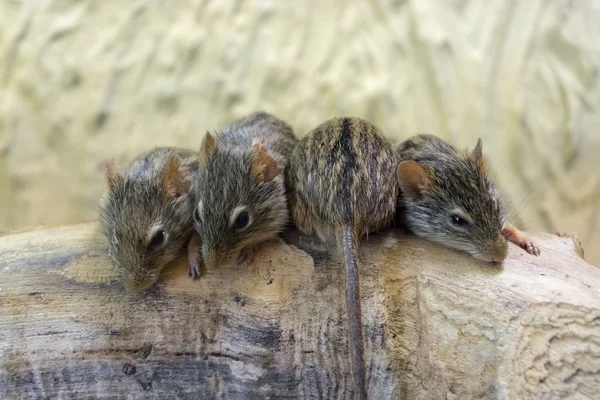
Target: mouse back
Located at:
point(341, 185)
point(239, 190)
point(343, 173)
point(146, 213)
point(449, 197)
point(276, 136)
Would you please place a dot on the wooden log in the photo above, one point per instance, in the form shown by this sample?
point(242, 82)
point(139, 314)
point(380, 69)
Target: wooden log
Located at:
point(437, 323)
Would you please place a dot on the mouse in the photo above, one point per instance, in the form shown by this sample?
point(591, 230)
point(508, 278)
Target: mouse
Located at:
point(239, 191)
point(146, 215)
point(342, 184)
point(448, 198)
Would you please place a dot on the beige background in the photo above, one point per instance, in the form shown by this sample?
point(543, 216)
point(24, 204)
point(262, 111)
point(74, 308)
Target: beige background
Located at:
point(81, 81)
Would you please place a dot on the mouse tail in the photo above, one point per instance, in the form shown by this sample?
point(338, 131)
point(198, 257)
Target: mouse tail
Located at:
point(347, 245)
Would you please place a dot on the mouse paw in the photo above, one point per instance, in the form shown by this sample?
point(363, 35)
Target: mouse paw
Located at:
point(246, 256)
point(522, 240)
point(196, 267)
point(531, 247)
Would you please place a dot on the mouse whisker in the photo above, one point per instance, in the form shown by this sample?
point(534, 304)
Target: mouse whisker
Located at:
point(514, 212)
point(500, 170)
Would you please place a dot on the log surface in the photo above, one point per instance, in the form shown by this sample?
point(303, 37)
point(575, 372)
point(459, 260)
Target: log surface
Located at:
point(437, 324)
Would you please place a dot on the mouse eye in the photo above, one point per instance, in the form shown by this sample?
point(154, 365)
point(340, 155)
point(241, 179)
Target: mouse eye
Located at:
point(241, 221)
point(197, 215)
point(158, 239)
point(459, 221)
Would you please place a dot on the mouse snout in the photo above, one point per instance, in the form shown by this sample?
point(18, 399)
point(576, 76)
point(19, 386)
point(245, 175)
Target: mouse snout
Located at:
point(497, 258)
point(212, 257)
point(137, 284)
point(494, 253)
point(209, 258)
point(498, 252)
point(138, 276)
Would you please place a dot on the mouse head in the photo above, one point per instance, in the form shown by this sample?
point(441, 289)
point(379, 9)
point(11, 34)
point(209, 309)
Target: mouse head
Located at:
point(454, 203)
point(240, 199)
point(146, 220)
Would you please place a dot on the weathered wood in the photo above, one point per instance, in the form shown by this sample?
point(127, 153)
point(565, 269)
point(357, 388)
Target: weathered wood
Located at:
point(437, 324)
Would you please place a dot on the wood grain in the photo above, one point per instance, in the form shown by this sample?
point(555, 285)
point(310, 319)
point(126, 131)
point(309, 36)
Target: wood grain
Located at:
point(437, 323)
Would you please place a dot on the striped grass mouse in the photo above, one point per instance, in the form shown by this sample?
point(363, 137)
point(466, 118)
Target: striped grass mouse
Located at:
point(448, 198)
point(342, 185)
point(240, 198)
point(146, 214)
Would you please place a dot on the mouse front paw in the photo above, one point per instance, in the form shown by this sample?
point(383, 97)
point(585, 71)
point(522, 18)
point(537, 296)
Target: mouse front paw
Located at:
point(531, 247)
point(512, 234)
point(196, 267)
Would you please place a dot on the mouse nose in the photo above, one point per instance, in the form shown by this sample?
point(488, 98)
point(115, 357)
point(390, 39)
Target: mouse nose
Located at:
point(500, 253)
point(209, 255)
point(137, 284)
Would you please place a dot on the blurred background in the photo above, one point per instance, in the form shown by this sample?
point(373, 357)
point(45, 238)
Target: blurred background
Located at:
point(83, 81)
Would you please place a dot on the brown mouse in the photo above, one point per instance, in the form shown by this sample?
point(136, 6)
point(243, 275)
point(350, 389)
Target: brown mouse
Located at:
point(342, 185)
point(448, 198)
point(146, 214)
point(240, 198)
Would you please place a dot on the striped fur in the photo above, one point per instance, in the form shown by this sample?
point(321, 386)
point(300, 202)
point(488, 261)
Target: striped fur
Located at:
point(342, 185)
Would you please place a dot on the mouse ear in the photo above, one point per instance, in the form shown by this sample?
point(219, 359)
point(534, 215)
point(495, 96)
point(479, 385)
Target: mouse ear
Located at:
point(113, 177)
point(207, 149)
point(477, 154)
point(174, 180)
point(264, 167)
point(413, 179)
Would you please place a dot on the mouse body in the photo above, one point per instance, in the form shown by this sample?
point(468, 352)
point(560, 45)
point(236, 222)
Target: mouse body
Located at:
point(240, 196)
point(146, 214)
point(342, 185)
point(447, 197)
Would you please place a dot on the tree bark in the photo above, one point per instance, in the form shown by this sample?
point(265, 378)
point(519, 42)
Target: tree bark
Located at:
point(437, 323)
